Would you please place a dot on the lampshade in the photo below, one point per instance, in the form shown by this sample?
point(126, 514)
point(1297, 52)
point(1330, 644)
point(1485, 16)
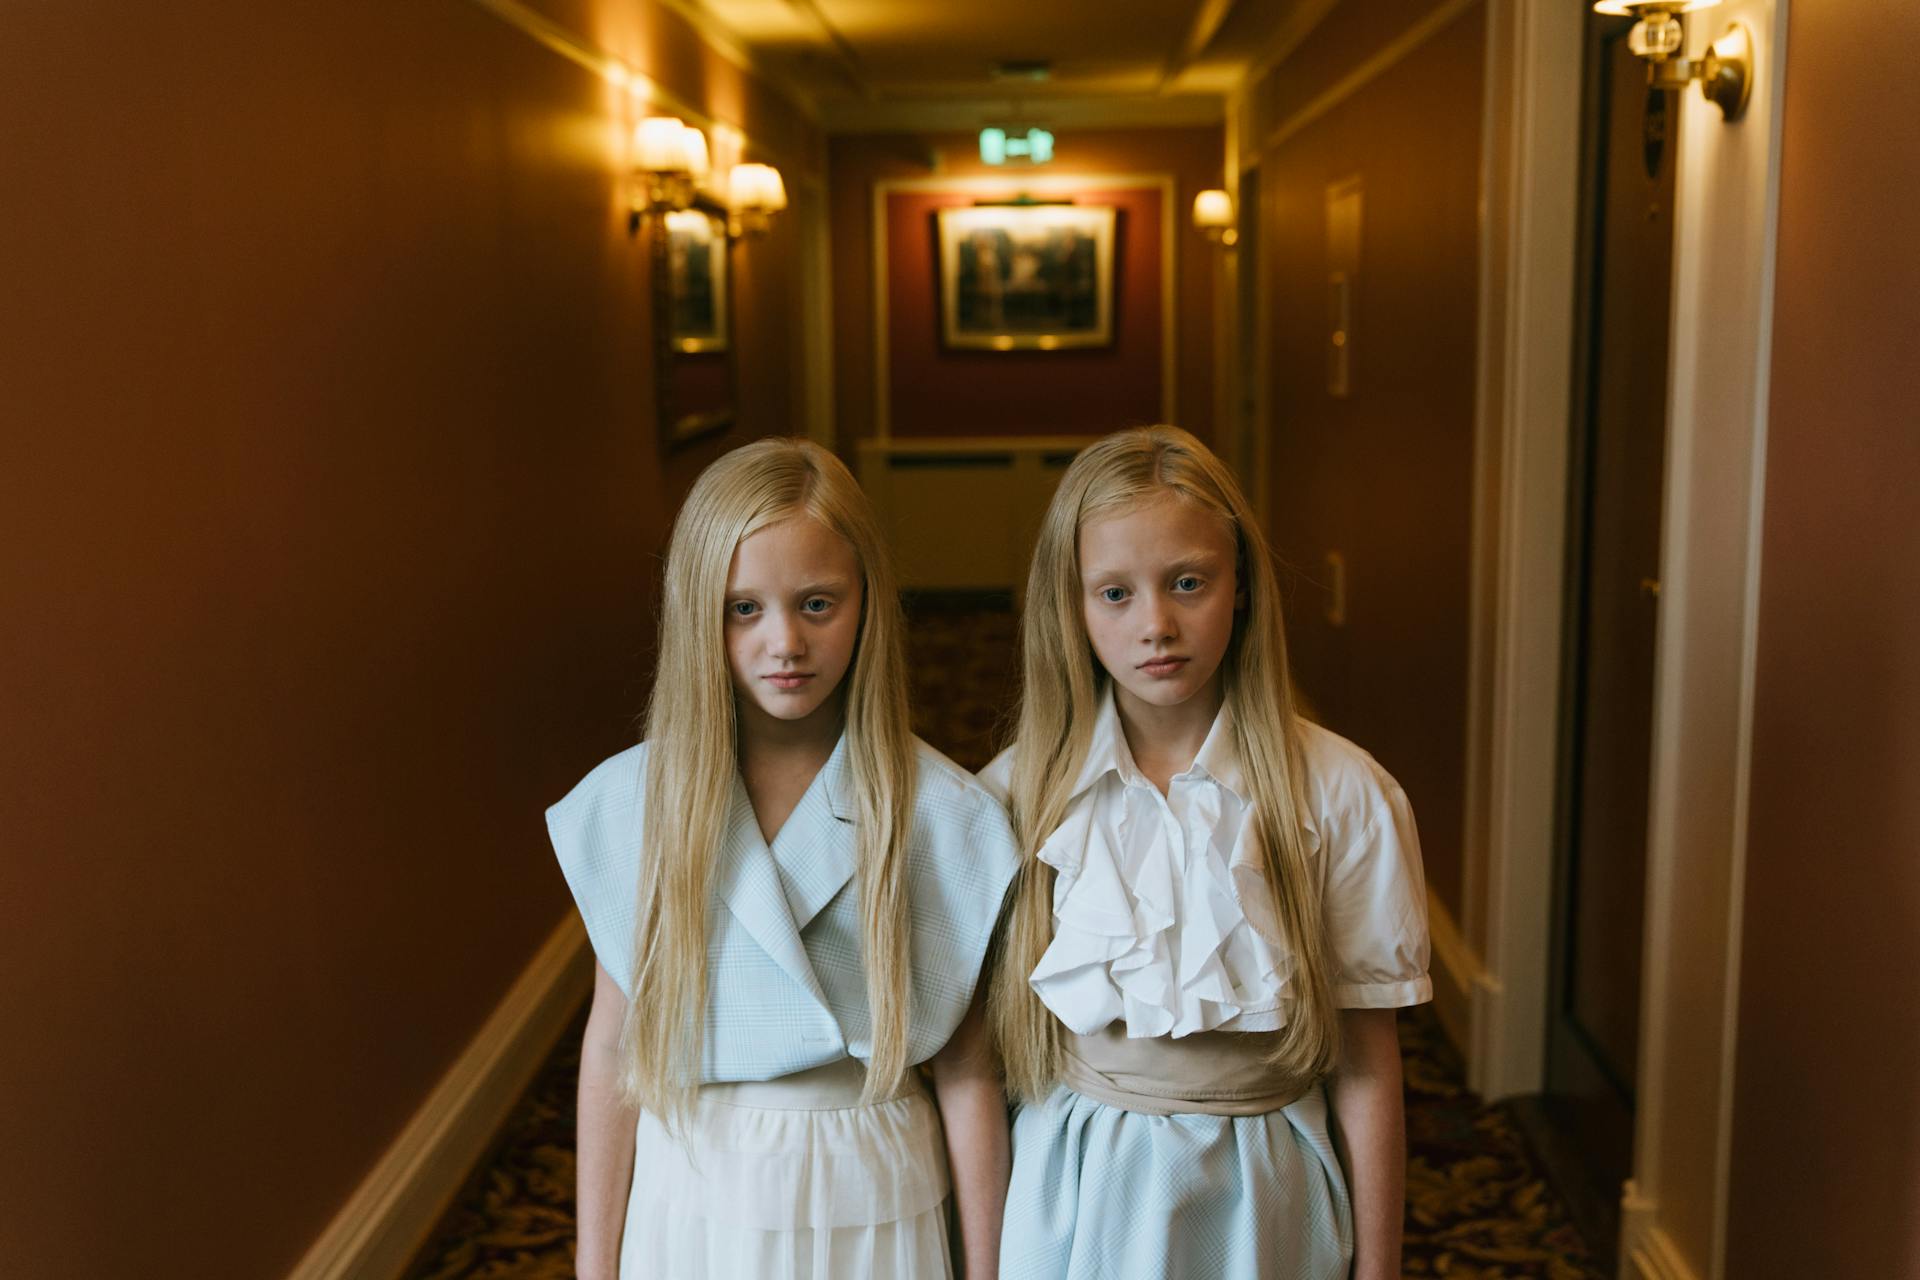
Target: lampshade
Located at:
point(756, 186)
point(656, 144)
point(1212, 210)
point(693, 152)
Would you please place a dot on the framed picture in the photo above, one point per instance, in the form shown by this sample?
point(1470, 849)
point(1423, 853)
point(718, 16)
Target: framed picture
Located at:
point(1026, 277)
point(697, 281)
point(693, 366)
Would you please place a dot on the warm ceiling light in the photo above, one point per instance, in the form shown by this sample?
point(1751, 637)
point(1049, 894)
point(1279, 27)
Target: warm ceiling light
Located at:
point(1725, 72)
point(1213, 215)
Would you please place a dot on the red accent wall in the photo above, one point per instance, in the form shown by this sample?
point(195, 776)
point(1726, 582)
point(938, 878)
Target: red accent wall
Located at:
point(1045, 393)
point(939, 391)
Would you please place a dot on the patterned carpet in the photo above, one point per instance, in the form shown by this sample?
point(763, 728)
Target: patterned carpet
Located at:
point(1478, 1207)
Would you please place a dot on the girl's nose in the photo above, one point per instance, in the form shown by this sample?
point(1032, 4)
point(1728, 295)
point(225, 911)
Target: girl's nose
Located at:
point(1159, 620)
point(786, 640)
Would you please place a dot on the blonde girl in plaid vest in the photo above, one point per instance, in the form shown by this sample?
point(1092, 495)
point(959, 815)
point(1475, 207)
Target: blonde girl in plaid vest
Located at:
point(789, 897)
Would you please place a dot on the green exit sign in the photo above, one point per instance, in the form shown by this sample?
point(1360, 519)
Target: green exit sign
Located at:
point(997, 146)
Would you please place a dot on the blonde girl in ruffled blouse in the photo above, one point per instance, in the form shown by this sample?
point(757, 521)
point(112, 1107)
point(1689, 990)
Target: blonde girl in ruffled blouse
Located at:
point(1219, 908)
point(789, 897)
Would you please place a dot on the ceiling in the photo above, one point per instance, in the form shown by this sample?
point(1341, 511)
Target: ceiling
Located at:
point(930, 64)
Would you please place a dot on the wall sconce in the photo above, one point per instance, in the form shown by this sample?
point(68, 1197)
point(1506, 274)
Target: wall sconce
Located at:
point(1725, 72)
point(1213, 217)
point(754, 194)
point(670, 162)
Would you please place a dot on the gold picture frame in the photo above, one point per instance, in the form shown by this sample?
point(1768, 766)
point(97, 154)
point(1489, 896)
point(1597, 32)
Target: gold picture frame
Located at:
point(697, 280)
point(1026, 277)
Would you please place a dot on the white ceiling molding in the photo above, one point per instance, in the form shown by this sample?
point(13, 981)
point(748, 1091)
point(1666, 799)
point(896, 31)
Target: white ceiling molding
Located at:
point(616, 71)
point(919, 65)
point(725, 41)
point(843, 50)
point(1293, 33)
point(1207, 20)
point(965, 115)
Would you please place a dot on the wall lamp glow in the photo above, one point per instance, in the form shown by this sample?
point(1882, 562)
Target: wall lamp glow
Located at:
point(1213, 217)
point(670, 162)
point(1725, 71)
point(754, 194)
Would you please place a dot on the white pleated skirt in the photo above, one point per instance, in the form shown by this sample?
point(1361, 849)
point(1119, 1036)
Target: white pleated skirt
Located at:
point(791, 1179)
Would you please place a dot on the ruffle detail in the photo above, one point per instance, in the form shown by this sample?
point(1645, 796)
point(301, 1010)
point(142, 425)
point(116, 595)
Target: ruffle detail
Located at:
point(1170, 944)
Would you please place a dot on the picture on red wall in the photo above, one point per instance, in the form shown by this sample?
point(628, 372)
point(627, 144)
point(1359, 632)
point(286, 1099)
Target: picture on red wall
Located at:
point(1026, 277)
point(697, 280)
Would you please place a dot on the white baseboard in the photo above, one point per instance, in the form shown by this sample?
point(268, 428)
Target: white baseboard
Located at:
point(1647, 1252)
point(1457, 974)
point(386, 1220)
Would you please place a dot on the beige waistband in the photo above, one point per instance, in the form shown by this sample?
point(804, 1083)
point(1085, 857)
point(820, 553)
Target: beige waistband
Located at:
point(1215, 1073)
point(830, 1088)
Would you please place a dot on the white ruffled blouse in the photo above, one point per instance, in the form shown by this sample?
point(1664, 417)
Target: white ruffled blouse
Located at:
point(1162, 916)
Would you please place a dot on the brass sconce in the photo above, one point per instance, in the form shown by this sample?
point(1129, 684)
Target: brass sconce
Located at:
point(1213, 217)
point(754, 194)
point(1725, 71)
point(670, 162)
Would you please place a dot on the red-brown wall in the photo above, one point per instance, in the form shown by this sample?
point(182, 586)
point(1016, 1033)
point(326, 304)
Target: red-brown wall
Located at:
point(936, 390)
point(1826, 1147)
point(329, 501)
point(941, 392)
point(1383, 477)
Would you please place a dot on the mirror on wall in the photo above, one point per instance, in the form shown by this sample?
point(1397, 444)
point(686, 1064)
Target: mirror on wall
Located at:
point(693, 323)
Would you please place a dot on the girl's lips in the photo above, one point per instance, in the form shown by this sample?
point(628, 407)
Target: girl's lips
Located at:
point(1162, 666)
point(789, 680)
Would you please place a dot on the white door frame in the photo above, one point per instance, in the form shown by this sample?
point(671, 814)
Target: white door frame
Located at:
point(1530, 216)
point(1674, 1219)
point(1675, 1209)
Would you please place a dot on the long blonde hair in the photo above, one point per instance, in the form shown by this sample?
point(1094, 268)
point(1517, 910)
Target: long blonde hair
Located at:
point(692, 764)
point(1062, 683)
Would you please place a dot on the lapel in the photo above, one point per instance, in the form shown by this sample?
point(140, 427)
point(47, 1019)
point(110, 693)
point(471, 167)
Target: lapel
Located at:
point(813, 851)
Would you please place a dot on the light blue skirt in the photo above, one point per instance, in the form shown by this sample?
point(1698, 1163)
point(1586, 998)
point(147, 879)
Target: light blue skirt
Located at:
point(1104, 1194)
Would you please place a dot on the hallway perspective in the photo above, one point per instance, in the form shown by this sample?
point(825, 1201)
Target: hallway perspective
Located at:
point(358, 357)
point(1478, 1205)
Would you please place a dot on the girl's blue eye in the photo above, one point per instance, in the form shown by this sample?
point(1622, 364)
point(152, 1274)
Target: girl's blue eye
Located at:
point(819, 604)
point(743, 608)
point(1186, 582)
point(1113, 595)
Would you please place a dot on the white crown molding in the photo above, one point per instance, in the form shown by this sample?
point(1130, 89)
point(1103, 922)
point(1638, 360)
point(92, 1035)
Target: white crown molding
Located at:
point(616, 71)
point(1398, 48)
point(1208, 17)
point(964, 115)
point(725, 41)
point(1287, 40)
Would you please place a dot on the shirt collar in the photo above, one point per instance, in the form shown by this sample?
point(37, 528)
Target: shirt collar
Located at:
point(836, 781)
point(1107, 752)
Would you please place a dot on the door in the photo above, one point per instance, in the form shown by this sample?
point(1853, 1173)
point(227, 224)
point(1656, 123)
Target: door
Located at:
point(1619, 451)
